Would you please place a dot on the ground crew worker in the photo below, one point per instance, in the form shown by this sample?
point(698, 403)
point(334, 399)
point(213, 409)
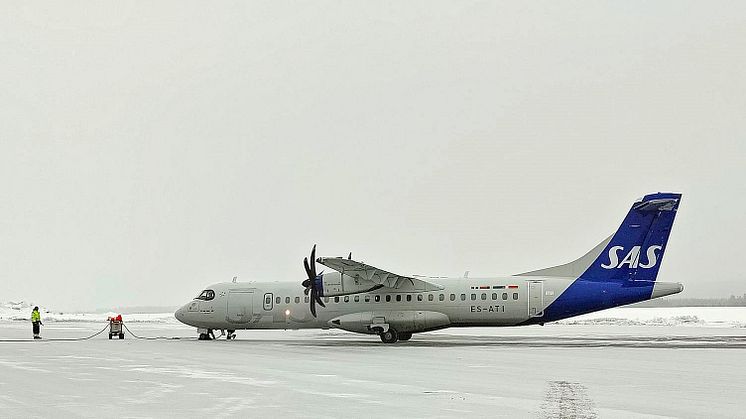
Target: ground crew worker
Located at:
point(36, 322)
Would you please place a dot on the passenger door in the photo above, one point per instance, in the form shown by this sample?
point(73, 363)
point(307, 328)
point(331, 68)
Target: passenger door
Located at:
point(240, 306)
point(535, 298)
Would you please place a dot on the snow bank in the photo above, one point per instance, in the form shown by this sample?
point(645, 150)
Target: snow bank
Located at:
point(21, 311)
point(734, 317)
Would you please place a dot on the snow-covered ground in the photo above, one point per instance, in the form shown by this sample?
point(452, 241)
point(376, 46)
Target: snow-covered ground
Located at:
point(636, 365)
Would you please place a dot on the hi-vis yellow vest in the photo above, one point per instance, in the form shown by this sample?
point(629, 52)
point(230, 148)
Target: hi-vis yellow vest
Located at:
point(35, 316)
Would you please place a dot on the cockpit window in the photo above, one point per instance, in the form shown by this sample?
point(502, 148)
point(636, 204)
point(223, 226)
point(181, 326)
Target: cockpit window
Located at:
point(206, 295)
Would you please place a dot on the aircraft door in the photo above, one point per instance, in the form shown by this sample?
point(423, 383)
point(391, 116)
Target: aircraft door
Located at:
point(535, 298)
point(240, 306)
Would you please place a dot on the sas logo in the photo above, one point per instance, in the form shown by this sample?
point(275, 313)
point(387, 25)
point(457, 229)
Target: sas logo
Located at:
point(632, 260)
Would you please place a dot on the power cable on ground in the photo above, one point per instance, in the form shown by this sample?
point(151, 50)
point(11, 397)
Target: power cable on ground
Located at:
point(78, 339)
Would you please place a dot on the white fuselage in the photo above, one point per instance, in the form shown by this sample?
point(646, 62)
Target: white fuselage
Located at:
point(463, 302)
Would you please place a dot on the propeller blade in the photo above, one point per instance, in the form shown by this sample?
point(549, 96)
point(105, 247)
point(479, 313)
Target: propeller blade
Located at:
point(313, 307)
point(318, 299)
point(308, 270)
point(313, 262)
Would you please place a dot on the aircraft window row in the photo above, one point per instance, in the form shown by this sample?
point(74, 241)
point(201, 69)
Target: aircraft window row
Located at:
point(209, 295)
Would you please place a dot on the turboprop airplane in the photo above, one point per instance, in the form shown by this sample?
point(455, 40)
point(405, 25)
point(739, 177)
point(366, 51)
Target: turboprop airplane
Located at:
point(361, 298)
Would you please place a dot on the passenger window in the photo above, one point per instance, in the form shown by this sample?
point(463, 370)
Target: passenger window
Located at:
point(398, 297)
point(377, 298)
point(473, 297)
point(278, 300)
point(484, 296)
point(441, 297)
point(515, 295)
point(305, 299)
point(367, 298)
point(287, 300)
point(297, 300)
point(453, 297)
point(494, 296)
point(388, 298)
point(429, 297)
point(463, 297)
point(409, 297)
point(505, 296)
point(336, 299)
point(326, 299)
point(419, 297)
point(357, 298)
point(347, 298)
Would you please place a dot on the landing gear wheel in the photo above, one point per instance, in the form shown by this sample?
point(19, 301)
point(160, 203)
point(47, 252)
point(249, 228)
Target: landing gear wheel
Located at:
point(203, 336)
point(121, 336)
point(405, 335)
point(110, 335)
point(389, 336)
point(231, 335)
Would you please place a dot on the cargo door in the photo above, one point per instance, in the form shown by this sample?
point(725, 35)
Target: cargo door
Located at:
point(240, 306)
point(535, 298)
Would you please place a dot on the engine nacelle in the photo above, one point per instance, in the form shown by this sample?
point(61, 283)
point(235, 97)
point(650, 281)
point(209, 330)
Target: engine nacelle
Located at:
point(400, 320)
point(335, 284)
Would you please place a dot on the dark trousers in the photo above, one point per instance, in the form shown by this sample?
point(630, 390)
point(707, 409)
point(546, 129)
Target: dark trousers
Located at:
point(36, 328)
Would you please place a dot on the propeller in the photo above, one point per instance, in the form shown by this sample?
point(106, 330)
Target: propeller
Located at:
point(312, 284)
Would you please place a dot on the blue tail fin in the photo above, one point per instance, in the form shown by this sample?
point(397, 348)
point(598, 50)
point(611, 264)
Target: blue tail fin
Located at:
point(636, 250)
point(623, 268)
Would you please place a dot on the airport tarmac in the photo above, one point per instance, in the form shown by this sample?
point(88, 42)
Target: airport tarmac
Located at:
point(573, 371)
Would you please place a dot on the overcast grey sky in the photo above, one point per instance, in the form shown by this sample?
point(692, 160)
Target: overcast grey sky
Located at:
point(148, 149)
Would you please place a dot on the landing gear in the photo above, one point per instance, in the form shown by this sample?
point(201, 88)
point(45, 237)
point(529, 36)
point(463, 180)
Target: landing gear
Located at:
point(405, 336)
point(206, 334)
point(231, 335)
point(389, 336)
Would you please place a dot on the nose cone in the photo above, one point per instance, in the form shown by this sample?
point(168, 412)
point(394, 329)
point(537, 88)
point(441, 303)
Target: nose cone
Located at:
point(179, 314)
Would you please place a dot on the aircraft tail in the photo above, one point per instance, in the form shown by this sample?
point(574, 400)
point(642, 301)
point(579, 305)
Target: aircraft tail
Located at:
point(634, 252)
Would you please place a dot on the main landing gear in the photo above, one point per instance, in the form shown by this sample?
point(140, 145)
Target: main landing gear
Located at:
point(392, 336)
point(231, 335)
point(389, 336)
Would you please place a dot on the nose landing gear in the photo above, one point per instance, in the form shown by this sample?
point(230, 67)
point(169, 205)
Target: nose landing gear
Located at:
point(206, 334)
point(209, 334)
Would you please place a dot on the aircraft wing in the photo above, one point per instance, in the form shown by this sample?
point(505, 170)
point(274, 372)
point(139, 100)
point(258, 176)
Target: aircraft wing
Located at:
point(361, 271)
